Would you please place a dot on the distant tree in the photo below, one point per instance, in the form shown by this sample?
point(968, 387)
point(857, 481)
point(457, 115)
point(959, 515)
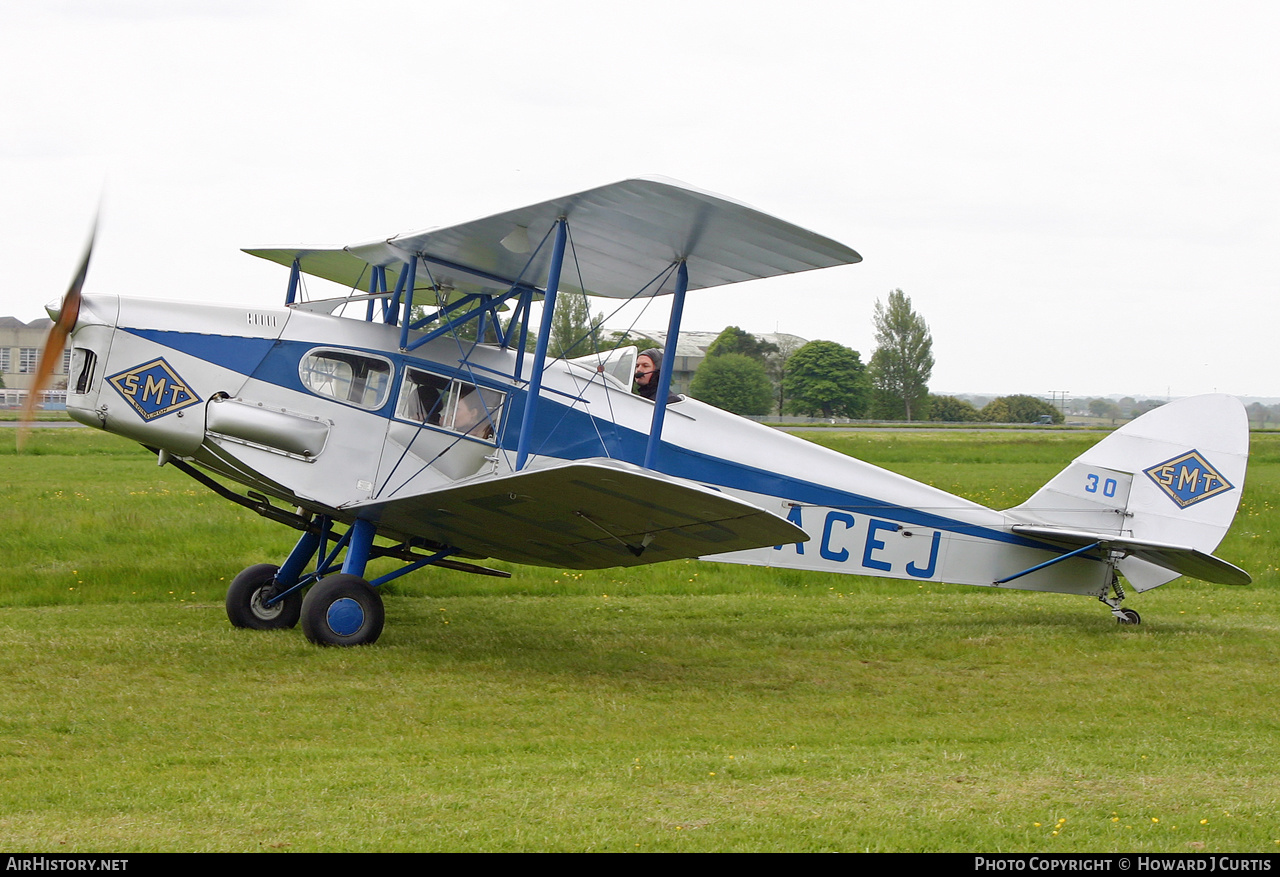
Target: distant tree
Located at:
point(1104, 408)
point(949, 409)
point(572, 331)
point(826, 378)
point(1019, 409)
point(429, 302)
point(1258, 414)
point(735, 340)
point(1144, 406)
point(735, 382)
point(902, 363)
point(776, 365)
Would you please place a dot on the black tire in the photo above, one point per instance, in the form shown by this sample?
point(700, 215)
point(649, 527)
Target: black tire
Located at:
point(244, 601)
point(1130, 617)
point(342, 610)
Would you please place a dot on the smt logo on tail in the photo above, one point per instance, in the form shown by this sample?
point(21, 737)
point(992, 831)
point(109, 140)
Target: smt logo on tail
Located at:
point(1188, 479)
point(154, 389)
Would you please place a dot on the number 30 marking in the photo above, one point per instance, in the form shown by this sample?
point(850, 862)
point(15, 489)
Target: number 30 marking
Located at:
point(1108, 486)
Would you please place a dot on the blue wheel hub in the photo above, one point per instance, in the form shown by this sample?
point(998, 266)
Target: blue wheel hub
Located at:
point(345, 616)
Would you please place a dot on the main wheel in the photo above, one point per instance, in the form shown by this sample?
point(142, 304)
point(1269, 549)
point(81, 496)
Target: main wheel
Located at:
point(342, 610)
point(247, 608)
point(1130, 617)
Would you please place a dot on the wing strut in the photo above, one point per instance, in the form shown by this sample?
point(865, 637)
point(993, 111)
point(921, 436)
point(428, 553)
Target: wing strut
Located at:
point(1040, 566)
point(540, 351)
point(408, 301)
point(295, 272)
point(668, 366)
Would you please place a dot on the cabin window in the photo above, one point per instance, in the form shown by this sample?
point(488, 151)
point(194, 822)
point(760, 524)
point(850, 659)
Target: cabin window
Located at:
point(457, 406)
point(422, 397)
point(354, 378)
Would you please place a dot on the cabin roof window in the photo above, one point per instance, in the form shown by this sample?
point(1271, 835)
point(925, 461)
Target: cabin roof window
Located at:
point(354, 378)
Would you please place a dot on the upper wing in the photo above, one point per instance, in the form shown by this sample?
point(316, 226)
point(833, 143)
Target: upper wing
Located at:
point(589, 514)
point(1181, 559)
point(623, 236)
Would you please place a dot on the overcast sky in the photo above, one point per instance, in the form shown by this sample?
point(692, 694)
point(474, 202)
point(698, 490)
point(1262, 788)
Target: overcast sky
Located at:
point(1077, 196)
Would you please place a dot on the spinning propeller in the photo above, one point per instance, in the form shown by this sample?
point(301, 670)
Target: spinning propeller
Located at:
point(56, 340)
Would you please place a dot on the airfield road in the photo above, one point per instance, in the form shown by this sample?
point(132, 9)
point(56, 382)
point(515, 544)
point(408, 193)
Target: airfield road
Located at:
point(42, 424)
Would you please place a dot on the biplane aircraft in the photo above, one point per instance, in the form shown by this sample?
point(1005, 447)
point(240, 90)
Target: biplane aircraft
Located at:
point(433, 427)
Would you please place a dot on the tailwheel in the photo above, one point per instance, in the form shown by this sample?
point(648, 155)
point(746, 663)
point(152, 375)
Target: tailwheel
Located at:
point(248, 599)
point(342, 610)
point(1123, 616)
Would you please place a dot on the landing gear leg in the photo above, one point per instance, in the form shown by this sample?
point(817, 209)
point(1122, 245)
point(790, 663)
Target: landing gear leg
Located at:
point(1123, 616)
point(341, 607)
point(344, 609)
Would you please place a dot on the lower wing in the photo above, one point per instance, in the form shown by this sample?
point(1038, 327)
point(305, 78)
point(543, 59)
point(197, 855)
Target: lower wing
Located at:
point(589, 514)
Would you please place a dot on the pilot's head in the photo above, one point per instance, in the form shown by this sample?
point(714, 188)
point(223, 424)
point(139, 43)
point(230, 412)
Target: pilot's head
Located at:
point(648, 364)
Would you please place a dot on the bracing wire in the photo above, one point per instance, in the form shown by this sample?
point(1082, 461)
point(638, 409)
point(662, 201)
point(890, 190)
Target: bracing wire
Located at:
point(592, 331)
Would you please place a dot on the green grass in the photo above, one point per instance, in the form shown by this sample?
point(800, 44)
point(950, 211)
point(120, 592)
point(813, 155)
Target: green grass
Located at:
point(15, 414)
point(685, 707)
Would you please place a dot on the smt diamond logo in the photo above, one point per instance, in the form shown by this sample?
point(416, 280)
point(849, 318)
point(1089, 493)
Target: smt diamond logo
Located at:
point(154, 389)
point(1188, 479)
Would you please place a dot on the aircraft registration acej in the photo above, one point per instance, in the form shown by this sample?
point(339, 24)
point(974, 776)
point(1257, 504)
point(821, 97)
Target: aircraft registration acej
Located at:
point(425, 429)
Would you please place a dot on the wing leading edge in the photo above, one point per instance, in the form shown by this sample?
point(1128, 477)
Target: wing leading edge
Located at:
point(623, 235)
point(589, 514)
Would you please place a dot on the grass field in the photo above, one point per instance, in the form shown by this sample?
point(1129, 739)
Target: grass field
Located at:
point(690, 706)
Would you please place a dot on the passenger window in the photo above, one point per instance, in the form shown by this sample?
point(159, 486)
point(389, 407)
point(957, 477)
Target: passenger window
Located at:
point(422, 397)
point(457, 406)
point(474, 410)
point(348, 377)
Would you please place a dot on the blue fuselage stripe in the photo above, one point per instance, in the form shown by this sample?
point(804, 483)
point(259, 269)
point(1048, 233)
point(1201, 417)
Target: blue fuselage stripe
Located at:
point(566, 432)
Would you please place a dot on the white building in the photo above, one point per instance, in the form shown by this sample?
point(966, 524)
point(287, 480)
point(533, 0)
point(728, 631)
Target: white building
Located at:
point(21, 345)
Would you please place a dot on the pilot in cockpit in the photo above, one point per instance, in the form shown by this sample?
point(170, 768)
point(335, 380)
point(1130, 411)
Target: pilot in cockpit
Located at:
point(649, 373)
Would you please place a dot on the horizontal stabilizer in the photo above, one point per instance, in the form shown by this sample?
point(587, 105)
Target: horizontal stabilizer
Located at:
point(1181, 559)
point(589, 514)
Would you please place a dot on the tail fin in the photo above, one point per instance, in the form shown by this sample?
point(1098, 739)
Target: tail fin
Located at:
point(1163, 490)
